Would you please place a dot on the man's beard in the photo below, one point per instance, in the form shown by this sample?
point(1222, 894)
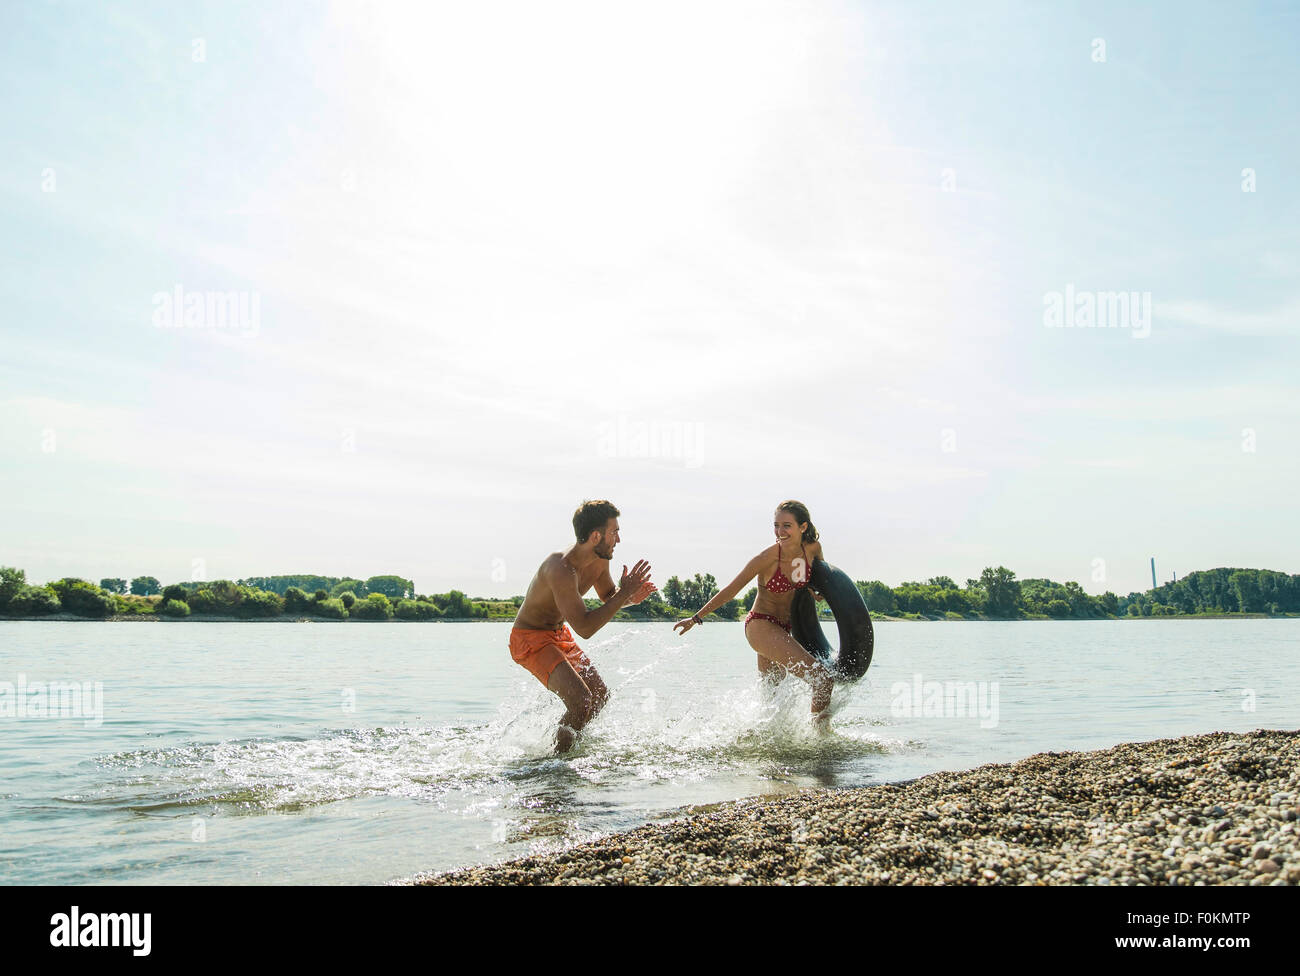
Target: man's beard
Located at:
point(602, 551)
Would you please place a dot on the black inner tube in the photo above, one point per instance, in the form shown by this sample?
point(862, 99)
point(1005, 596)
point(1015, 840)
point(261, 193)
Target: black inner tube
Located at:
point(857, 639)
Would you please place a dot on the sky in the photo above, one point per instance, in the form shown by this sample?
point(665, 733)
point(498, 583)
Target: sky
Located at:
point(368, 288)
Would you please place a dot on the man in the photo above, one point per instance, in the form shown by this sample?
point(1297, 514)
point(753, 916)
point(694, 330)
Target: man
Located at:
point(543, 643)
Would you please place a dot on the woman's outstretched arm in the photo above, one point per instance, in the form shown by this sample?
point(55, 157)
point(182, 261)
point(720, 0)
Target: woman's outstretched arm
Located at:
point(728, 592)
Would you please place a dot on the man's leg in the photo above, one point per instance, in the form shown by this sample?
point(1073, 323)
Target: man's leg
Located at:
point(599, 693)
point(579, 702)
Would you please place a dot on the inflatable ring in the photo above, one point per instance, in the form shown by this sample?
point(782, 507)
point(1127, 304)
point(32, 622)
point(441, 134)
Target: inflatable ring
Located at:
point(857, 639)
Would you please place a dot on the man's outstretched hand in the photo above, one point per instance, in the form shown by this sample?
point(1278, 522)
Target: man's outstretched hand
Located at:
point(636, 582)
point(646, 589)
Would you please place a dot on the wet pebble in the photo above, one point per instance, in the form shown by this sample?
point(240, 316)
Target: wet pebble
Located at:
point(1132, 814)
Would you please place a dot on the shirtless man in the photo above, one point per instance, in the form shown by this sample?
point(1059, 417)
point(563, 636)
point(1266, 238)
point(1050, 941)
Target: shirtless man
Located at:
point(542, 642)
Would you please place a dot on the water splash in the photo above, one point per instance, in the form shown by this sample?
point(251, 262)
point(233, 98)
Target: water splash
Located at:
point(650, 732)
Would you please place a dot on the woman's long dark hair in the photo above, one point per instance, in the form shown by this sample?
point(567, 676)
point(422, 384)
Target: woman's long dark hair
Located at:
point(800, 512)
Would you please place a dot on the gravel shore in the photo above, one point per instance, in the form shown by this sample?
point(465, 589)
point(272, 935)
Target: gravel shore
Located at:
point(1222, 808)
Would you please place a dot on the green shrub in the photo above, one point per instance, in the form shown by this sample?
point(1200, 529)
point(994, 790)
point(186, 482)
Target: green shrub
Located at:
point(12, 582)
point(219, 597)
point(261, 603)
point(953, 615)
point(331, 609)
point(454, 604)
point(374, 607)
point(296, 601)
point(132, 606)
point(429, 609)
point(202, 600)
point(227, 594)
point(348, 598)
point(83, 598)
point(415, 610)
point(175, 592)
point(33, 601)
point(174, 608)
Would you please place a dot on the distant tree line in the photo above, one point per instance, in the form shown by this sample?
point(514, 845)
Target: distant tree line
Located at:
point(393, 587)
point(328, 598)
point(1218, 591)
point(997, 594)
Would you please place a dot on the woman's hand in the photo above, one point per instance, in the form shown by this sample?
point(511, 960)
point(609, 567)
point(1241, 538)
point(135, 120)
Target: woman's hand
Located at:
point(686, 624)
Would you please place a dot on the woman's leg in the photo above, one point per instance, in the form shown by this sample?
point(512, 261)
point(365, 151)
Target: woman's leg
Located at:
point(783, 651)
point(770, 670)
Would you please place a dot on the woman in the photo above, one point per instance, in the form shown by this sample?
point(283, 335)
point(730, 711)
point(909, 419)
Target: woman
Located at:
point(767, 626)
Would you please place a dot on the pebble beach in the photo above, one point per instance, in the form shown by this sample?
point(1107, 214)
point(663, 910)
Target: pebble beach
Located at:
point(1214, 809)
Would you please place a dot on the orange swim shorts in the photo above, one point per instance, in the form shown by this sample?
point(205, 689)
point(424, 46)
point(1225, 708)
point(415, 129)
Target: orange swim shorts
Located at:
point(540, 651)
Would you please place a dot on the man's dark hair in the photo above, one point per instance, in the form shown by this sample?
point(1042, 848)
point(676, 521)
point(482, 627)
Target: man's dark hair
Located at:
point(591, 516)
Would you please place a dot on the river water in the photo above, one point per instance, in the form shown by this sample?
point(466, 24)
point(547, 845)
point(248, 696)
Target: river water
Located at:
point(364, 753)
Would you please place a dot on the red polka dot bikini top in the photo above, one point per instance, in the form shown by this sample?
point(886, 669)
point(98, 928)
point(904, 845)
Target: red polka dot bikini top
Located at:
point(780, 583)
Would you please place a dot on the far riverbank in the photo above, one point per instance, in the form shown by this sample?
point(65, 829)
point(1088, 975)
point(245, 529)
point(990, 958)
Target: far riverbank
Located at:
point(876, 618)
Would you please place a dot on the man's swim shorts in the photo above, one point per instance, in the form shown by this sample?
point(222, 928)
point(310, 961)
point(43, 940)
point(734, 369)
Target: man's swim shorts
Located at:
point(540, 651)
